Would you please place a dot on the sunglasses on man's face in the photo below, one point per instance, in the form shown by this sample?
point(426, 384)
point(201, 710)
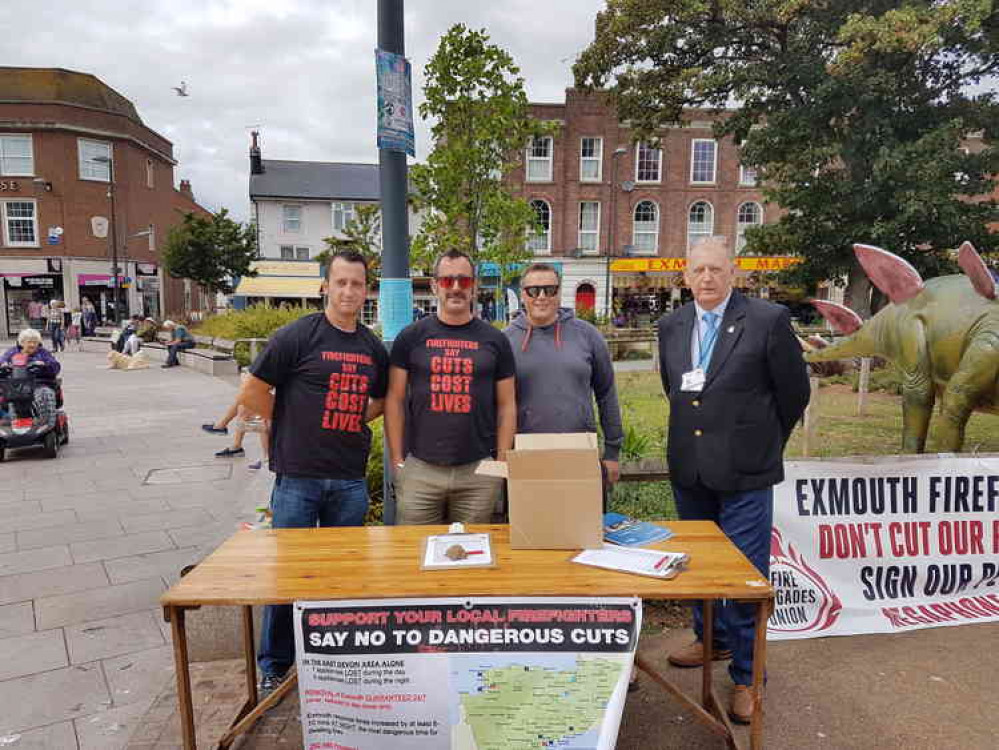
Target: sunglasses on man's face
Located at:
point(448, 282)
point(548, 290)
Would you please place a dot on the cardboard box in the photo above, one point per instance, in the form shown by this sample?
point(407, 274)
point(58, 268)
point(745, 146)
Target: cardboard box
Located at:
point(555, 491)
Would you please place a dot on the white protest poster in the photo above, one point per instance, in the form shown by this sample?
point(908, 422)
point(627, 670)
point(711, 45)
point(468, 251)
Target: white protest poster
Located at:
point(885, 545)
point(464, 674)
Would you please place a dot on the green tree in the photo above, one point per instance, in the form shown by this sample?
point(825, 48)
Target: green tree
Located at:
point(476, 99)
point(854, 113)
point(210, 250)
point(362, 233)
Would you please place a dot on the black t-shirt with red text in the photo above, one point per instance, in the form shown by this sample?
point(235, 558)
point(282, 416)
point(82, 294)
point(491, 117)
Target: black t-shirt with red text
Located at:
point(322, 378)
point(453, 371)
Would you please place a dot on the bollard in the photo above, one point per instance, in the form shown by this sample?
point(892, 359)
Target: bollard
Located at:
point(864, 385)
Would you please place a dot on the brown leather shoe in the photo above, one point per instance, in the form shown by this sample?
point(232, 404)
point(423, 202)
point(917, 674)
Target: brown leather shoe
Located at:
point(741, 710)
point(692, 655)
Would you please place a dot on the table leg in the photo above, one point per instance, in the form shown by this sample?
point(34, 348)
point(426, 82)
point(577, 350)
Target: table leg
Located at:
point(182, 668)
point(249, 652)
point(759, 673)
point(707, 641)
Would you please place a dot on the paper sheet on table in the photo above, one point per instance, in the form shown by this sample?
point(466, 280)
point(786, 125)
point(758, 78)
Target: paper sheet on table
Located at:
point(644, 562)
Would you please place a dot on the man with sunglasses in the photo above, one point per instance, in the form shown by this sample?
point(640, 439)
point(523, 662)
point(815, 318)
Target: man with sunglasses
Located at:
point(451, 400)
point(562, 364)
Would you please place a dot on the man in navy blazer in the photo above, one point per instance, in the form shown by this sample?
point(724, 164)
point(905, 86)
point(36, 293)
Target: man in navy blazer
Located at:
point(737, 384)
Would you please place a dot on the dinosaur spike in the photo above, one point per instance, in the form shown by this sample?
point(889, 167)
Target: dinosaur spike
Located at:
point(976, 270)
point(891, 274)
point(841, 318)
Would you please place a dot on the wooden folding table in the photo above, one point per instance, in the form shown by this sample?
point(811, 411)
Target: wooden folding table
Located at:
point(282, 566)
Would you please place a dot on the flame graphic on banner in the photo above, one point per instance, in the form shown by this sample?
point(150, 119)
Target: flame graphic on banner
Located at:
point(829, 610)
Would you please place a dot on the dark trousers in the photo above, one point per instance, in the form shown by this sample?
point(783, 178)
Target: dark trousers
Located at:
point(746, 518)
point(303, 503)
point(172, 350)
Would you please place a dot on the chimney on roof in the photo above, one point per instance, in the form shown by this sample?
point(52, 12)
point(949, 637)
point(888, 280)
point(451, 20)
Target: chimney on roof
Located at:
point(185, 189)
point(256, 163)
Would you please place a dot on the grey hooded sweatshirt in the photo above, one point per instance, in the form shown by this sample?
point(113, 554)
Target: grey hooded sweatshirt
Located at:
point(560, 368)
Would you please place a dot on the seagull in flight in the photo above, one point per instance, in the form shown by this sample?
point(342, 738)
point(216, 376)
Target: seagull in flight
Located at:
point(182, 89)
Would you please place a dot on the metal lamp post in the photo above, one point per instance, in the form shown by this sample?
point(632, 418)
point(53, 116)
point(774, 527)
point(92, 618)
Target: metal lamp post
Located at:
point(113, 236)
point(612, 238)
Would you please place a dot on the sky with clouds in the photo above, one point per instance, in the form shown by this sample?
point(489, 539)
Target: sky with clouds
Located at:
point(301, 70)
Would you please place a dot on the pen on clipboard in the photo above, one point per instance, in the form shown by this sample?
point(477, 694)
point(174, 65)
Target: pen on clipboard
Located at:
point(660, 563)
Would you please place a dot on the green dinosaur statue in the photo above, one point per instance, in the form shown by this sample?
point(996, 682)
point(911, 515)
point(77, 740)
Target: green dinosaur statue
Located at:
point(943, 334)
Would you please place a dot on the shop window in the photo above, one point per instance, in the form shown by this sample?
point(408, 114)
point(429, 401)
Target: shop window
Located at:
point(648, 163)
point(291, 218)
point(20, 224)
point(590, 156)
point(17, 158)
point(301, 253)
point(589, 226)
point(540, 240)
point(539, 159)
point(750, 215)
point(94, 159)
point(343, 214)
point(703, 161)
point(700, 222)
point(645, 234)
point(287, 252)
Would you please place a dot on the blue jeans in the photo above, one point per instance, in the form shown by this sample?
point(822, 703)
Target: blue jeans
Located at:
point(304, 503)
point(747, 519)
point(172, 350)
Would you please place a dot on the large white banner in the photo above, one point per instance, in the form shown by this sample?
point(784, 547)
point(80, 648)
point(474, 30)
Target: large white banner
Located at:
point(885, 545)
point(468, 674)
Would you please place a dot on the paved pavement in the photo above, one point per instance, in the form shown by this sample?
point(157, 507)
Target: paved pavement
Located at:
point(89, 540)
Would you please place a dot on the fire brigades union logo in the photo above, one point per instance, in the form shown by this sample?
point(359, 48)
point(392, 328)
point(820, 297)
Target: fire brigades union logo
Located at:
point(803, 601)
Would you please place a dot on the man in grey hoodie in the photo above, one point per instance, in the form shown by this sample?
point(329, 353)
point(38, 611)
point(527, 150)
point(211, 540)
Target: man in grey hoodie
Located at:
point(562, 363)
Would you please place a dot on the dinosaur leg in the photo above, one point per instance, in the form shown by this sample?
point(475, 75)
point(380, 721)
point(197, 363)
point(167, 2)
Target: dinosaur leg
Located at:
point(918, 390)
point(974, 380)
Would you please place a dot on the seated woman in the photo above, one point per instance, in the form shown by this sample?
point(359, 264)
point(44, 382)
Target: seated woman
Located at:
point(29, 341)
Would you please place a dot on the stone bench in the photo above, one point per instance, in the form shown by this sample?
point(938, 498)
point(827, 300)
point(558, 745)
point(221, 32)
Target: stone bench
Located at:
point(208, 361)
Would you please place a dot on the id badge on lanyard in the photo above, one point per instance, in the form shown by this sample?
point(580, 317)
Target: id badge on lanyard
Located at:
point(693, 381)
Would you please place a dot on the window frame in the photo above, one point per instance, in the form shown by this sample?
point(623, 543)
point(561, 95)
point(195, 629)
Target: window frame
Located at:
point(284, 218)
point(743, 182)
point(714, 161)
point(6, 218)
point(711, 228)
point(594, 233)
point(31, 154)
point(740, 226)
point(598, 158)
point(298, 252)
point(530, 158)
point(349, 214)
point(291, 252)
point(655, 234)
point(80, 162)
point(547, 234)
point(150, 174)
point(638, 161)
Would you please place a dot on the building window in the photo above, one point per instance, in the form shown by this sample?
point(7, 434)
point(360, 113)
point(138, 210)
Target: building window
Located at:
point(703, 161)
point(301, 253)
point(150, 175)
point(95, 160)
point(287, 252)
point(589, 226)
point(20, 224)
point(590, 156)
point(750, 215)
point(648, 163)
point(539, 160)
point(343, 214)
point(291, 219)
point(17, 158)
point(700, 222)
point(369, 313)
point(540, 240)
point(747, 176)
point(645, 235)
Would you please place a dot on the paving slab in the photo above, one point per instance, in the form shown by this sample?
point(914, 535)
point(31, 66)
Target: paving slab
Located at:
point(12, 563)
point(7, 543)
point(72, 578)
point(166, 565)
point(75, 532)
point(34, 652)
point(61, 736)
point(113, 636)
point(86, 606)
point(172, 519)
point(50, 697)
point(16, 619)
point(140, 676)
point(109, 730)
point(108, 549)
point(40, 520)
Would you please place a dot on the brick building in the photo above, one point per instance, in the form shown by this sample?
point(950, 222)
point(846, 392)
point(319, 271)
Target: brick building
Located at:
point(618, 215)
point(78, 171)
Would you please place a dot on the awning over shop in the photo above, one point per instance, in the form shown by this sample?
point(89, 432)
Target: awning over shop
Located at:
point(100, 279)
point(750, 263)
point(274, 286)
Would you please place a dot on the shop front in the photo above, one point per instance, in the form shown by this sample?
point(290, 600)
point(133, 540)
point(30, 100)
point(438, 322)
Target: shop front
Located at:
point(25, 295)
point(147, 280)
point(99, 289)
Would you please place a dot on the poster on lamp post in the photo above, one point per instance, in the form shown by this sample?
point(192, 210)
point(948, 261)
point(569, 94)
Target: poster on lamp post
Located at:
point(464, 674)
point(395, 103)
